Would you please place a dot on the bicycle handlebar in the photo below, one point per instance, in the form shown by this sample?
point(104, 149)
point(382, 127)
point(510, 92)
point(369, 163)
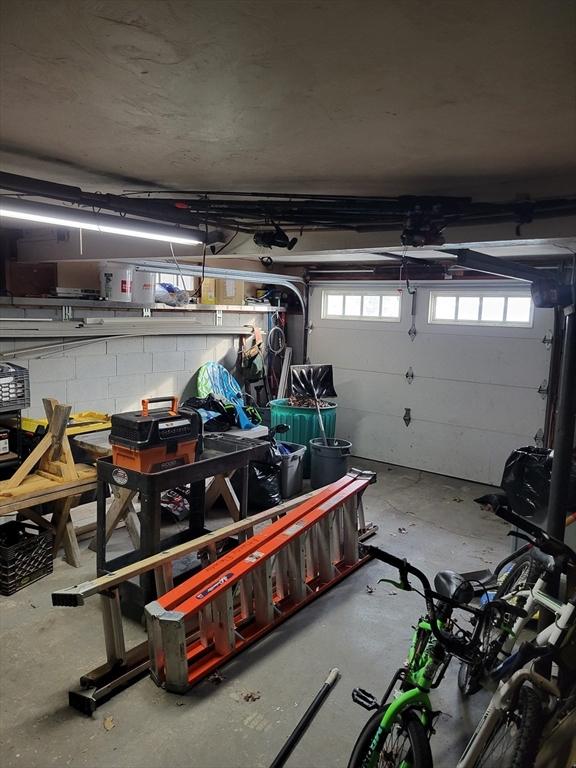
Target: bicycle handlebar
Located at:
point(546, 543)
point(461, 648)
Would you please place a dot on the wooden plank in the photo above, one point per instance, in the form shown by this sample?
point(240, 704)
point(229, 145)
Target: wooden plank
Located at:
point(230, 499)
point(36, 517)
point(56, 428)
point(28, 464)
point(121, 508)
point(60, 517)
point(71, 547)
point(16, 503)
point(95, 586)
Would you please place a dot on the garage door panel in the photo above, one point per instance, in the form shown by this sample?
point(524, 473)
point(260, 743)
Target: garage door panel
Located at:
point(473, 398)
point(511, 362)
point(472, 454)
point(464, 404)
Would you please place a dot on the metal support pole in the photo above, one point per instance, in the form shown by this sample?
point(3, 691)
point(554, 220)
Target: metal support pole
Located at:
point(564, 430)
point(563, 449)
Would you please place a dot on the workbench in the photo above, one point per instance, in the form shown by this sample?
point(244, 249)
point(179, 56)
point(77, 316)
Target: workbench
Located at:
point(49, 481)
point(221, 456)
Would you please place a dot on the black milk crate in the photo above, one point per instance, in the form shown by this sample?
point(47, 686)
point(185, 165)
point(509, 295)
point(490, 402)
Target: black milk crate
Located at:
point(25, 555)
point(14, 387)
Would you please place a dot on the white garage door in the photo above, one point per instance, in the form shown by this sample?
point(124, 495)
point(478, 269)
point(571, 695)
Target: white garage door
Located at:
point(477, 365)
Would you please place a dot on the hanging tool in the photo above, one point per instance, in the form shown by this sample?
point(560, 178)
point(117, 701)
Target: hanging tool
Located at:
point(306, 719)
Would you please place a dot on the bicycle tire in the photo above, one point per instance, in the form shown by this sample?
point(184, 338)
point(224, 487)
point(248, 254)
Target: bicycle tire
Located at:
point(524, 573)
point(526, 566)
point(419, 753)
point(522, 749)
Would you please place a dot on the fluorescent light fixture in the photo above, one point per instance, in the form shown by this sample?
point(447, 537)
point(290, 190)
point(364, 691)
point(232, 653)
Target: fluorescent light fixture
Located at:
point(24, 210)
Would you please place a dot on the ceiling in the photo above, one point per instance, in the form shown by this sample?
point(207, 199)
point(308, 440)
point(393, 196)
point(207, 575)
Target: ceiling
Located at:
point(327, 96)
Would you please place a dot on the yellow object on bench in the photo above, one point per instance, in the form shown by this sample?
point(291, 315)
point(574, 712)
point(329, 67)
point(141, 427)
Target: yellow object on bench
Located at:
point(78, 423)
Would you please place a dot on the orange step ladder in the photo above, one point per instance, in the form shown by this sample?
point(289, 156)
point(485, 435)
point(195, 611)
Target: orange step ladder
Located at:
point(200, 624)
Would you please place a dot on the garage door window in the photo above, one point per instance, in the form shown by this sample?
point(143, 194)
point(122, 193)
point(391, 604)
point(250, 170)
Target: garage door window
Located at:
point(493, 309)
point(360, 305)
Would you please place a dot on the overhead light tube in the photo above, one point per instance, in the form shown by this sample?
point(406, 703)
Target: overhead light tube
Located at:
point(60, 216)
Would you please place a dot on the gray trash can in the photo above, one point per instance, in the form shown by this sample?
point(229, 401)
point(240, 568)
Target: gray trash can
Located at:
point(328, 462)
point(291, 469)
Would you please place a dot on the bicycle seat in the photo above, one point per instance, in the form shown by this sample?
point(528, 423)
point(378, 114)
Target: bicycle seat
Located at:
point(454, 586)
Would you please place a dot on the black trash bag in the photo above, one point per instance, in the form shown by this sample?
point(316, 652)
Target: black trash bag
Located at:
point(263, 484)
point(526, 480)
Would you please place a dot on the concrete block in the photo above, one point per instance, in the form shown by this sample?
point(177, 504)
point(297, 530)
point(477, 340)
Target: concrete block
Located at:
point(160, 343)
point(102, 406)
point(223, 347)
point(168, 361)
point(185, 343)
point(122, 404)
point(34, 343)
point(86, 350)
point(86, 390)
point(140, 362)
point(52, 369)
point(183, 378)
point(196, 359)
point(56, 389)
point(156, 384)
point(95, 366)
point(126, 386)
point(205, 318)
point(132, 344)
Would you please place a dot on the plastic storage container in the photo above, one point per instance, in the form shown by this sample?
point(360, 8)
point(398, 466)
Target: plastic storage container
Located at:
point(116, 282)
point(25, 555)
point(292, 470)
point(143, 286)
point(14, 387)
point(303, 423)
point(329, 462)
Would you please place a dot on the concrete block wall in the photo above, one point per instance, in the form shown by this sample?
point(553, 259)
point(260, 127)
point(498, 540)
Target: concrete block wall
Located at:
point(113, 376)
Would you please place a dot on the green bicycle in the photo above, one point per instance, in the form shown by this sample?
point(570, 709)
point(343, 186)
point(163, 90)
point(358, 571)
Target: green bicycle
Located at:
point(398, 733)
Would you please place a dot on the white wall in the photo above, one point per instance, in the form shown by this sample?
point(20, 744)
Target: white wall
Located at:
point(113, 376)
point(473, 398)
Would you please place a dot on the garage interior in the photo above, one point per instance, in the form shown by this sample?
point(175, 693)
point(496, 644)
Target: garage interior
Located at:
point(285, 286)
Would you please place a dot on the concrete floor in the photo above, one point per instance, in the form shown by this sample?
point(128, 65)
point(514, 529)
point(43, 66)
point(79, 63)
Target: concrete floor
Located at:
point(43, 651)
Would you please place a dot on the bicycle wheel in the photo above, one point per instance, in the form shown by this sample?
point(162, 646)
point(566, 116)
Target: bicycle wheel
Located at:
point(523, 575)
point(406, 745)
point(515, 740)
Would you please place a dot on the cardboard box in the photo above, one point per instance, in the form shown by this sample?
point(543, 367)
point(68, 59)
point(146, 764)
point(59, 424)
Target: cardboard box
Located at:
point(229, 291)
point(74, 274)
point(208, 291)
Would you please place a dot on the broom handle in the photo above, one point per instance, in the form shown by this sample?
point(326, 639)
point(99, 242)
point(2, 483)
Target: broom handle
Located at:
point(320, 419)
point(307, 717)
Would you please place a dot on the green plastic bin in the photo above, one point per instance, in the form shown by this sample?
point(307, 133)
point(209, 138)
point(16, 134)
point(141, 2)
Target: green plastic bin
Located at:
point(303, 423)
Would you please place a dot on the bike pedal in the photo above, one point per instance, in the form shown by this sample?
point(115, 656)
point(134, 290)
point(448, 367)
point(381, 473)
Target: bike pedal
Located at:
point(365, 699)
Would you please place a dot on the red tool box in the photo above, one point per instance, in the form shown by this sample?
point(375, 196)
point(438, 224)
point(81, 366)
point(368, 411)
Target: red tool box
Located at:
point(153, 440)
